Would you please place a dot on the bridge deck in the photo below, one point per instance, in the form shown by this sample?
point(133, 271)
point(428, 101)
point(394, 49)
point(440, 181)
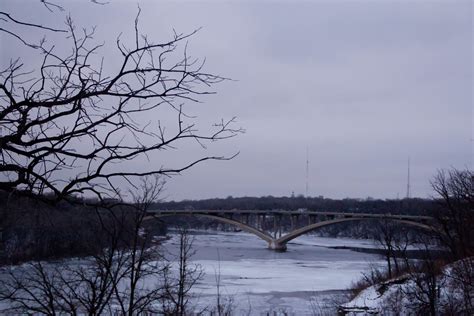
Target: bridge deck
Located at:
point(294, 213)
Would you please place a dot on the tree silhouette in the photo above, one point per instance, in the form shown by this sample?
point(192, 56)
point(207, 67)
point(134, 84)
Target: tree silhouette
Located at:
point(70, 126)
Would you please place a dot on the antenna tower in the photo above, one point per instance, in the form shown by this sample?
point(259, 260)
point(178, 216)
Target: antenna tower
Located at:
point(307, 171)
point(408, 179)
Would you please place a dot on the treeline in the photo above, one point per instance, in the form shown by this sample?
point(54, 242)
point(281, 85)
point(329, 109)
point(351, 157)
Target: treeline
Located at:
point(31, 229)
point(415, 206)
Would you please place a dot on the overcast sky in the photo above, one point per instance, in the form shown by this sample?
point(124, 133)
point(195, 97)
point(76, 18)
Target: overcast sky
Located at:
point(361, 85)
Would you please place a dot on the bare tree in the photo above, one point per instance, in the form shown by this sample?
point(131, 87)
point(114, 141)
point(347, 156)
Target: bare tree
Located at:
point(425, 281)
point(435, 288)
point(385, 236)
point(224, 303)
point(71, 114)
point(140, 259)
point(394, 240)
point(460, 279)
point(178, 285)
point(72, 286)
point(128, 276)
point(68, 127)
point(455, 190)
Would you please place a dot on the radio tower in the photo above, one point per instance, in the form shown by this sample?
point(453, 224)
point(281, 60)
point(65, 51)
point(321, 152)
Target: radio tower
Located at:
point(408, 179)
point(307, 170)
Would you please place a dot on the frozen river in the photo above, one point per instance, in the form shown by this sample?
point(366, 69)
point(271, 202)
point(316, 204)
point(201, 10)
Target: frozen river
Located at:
point(299, 281)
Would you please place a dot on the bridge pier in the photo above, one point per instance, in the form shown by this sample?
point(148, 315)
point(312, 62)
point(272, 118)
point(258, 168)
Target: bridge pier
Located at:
point(277, 246)
point(246, 218)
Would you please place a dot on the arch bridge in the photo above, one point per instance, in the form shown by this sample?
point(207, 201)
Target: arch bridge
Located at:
point(259, 222)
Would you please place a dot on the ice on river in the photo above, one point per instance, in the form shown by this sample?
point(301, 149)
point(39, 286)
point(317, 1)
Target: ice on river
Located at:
point(259, 281)
point(280, 275)
point(263, 280)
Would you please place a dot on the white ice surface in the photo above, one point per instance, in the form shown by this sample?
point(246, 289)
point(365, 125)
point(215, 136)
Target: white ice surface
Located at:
point(281, 275)
point(335, 242)
point(261, 281)
point(264, 281)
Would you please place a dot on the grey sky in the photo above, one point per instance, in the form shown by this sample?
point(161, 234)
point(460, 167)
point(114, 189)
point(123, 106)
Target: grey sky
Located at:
point(361, 84)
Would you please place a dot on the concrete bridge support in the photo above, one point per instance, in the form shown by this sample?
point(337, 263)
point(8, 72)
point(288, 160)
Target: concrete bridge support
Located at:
point(246, 218)
point(280, 228)
point(292, 222)
point(276, 246)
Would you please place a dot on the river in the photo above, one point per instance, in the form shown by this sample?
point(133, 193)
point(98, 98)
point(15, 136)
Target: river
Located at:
point(307, 279)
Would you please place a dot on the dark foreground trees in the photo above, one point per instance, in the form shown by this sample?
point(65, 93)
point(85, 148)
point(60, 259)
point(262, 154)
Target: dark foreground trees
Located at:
point(455, 217)
point(434, 284)
point(128, 274)
point(78, 128)
point(444, 285)
point(70, 124)
point(394, 240)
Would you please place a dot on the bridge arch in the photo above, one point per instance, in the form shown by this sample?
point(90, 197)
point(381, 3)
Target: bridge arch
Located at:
point(243, 226)
point(281, 242)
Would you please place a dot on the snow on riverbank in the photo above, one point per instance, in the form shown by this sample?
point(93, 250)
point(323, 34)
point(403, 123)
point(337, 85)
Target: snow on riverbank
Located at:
point(404, 296)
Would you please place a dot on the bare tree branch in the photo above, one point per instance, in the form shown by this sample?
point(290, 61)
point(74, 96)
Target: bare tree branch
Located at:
point(71, 115)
